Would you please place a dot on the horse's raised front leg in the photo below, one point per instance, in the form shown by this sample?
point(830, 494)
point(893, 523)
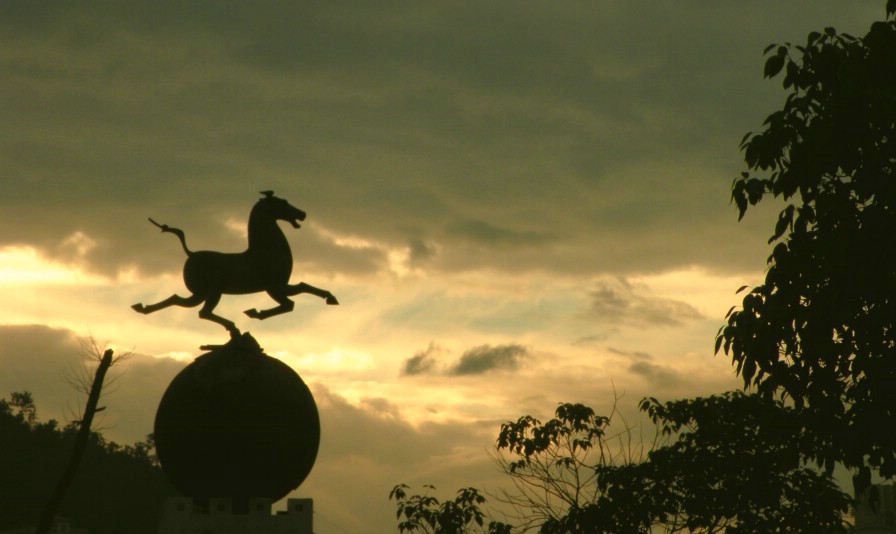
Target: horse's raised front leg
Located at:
point(173, 300)
point(286, 306)
point(302, 287)
point(207, 313)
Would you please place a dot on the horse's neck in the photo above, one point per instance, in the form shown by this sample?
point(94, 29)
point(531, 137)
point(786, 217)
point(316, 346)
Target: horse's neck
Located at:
point(265, 236)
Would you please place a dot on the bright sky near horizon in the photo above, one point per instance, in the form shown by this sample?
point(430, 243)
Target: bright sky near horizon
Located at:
point(516, 203)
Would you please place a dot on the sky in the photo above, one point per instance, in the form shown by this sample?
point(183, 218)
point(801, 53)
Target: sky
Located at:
point(517, 204)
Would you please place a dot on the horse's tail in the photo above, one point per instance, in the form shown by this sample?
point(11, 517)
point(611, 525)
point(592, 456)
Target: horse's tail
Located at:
point(176, 231)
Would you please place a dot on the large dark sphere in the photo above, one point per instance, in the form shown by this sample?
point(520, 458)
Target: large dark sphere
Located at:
point(237, 423)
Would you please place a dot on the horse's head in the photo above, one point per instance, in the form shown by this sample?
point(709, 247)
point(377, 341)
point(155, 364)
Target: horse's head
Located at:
point(280, 209)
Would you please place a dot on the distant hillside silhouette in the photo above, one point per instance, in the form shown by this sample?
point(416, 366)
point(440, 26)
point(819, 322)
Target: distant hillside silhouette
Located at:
point(117, 488)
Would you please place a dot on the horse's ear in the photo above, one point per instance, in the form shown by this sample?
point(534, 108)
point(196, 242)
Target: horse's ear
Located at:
point(267, 194)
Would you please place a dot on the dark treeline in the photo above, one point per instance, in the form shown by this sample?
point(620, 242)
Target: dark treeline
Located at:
point(116, 486)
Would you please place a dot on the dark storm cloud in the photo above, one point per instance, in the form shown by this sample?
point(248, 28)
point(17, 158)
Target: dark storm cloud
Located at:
point(621, 302)
point(563, 137)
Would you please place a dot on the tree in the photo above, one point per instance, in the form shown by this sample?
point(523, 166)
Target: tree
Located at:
point(118, 488)
point(424, 514)
point(23, 402)
point(93, 398)
point(554, 465)
point(821, 330)
point(726, 463)
point(734, 466)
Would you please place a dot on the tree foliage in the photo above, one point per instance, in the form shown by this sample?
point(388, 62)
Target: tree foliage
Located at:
point(734, 466)
point(118, 488)
point(554, 465)
point(821, 329)
point(726, 463)
point(425, 514)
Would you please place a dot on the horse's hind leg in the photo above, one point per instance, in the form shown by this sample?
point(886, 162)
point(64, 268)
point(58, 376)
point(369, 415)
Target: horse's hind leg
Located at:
point(173, 300)
point(207, 313)
point(286, 305)
point(302, 287)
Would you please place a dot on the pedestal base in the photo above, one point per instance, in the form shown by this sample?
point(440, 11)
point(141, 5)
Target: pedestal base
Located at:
point(183, 515)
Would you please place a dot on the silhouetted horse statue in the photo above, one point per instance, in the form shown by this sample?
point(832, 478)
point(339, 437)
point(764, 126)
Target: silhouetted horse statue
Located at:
point(265, 266)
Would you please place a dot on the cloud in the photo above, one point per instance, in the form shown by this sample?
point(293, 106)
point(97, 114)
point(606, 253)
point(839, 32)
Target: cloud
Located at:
point(420, 251)
point(538, 136)
point(478, 360)
point(486, 233)
point(371, 445)
point(635, 355)
point(318, 251)
point(622, 302)
point(423, 362)
point(643, 365)
point(42, 360)
point(590, 339)
point(654, 373)
point(485, 358)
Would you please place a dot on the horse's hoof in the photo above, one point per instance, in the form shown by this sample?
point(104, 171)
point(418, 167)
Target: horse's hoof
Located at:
point(332, 300)
point(139, 308)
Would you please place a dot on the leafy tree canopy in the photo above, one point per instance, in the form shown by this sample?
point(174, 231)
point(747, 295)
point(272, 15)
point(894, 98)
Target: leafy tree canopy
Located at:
point(727, 463)
point(821, 330)
point(425, 514)
point(733, 467)
point(117, 488)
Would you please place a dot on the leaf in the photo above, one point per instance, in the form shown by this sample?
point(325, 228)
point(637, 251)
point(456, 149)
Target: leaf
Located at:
point(773, 65)
point(740, 200)
point(755, 188)
point(785, 221)
point(748, 371)
point(862, 480)
point(791, 74)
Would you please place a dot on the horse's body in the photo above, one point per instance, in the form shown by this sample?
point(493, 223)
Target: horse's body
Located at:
point(266, 265)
